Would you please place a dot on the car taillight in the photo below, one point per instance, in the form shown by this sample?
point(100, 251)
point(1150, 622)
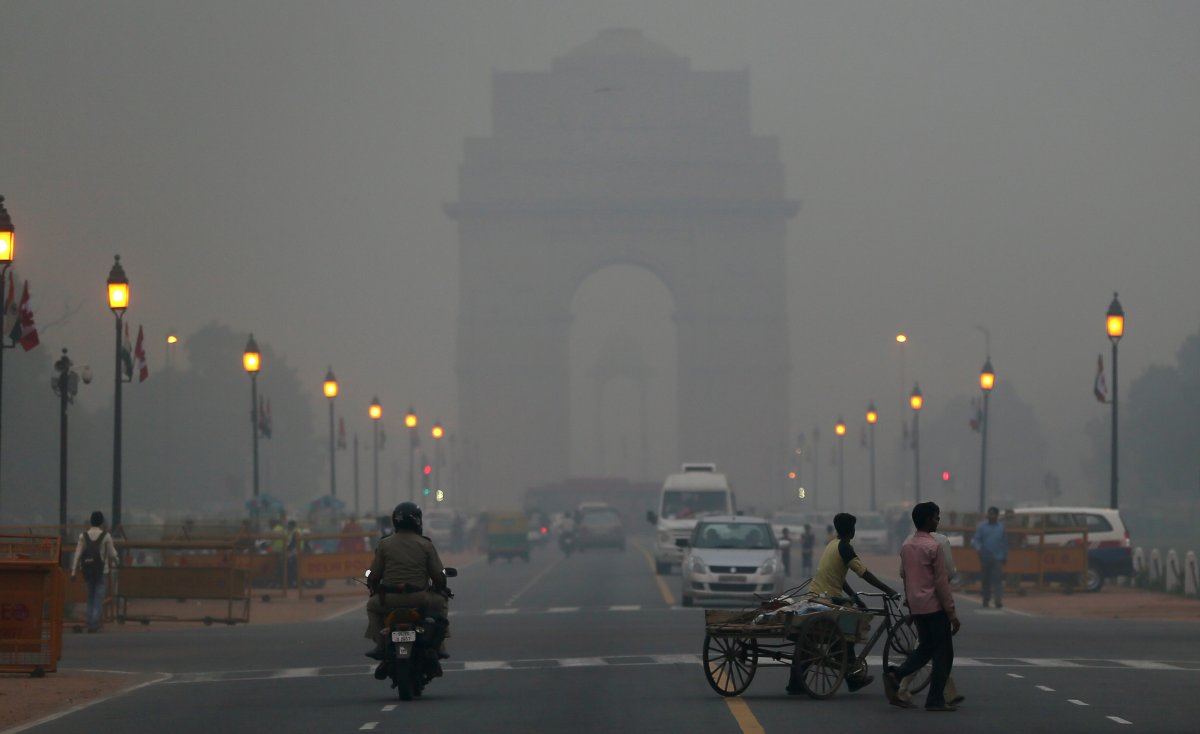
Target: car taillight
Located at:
point(545, 530)
point(1128, 543)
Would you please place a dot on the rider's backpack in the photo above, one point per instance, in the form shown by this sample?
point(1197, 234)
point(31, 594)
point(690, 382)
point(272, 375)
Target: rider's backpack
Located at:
point(91, 561)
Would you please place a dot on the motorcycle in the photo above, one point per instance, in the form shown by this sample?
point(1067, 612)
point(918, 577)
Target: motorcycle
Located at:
point(566, 543)
point(411, 642)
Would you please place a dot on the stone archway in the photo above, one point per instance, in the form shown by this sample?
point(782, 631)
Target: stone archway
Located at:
point(621, 154)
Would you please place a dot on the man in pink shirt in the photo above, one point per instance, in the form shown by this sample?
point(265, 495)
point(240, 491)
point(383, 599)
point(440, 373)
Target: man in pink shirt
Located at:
point(927, 588)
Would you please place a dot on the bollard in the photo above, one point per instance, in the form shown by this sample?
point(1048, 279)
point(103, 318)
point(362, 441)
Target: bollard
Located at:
point(1191, 575)
point(1174, 576)
point(1156, 568)
point(1140, 572)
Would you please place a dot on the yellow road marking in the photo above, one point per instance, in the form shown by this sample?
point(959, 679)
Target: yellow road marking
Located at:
point(744, 716)
point(662, 585)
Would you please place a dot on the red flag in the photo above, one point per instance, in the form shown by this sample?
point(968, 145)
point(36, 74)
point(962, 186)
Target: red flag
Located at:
point(29, 335)
point(11, 315)
point(139, 353)
point(1100, 387)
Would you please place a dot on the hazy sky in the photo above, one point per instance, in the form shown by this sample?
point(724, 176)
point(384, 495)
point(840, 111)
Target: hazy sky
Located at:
point(281, 167)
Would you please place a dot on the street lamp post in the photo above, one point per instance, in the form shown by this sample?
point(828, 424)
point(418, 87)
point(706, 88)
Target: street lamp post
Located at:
point(840, 430)
point(7, 245)
point(118, 301)
point(65, 385)
point(872, 418)
point(1115, 324)
point(331, 390)
point(437, 483)
point(414, 438)
point(987, 380)
point(252, 362)
point(376, 412)
point(916, 401)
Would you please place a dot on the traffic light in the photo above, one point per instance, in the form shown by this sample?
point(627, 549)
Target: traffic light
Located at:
point(440, 495)
point(425, 491)
point(945, 476)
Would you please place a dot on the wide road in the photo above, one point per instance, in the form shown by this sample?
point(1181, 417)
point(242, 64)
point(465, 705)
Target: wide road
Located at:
point(597, 643)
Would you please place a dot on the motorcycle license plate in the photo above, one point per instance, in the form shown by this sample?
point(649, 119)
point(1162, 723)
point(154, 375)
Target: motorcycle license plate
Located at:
point(404, 636)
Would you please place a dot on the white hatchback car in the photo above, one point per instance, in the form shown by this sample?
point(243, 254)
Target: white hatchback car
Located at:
point(733, 558)
point(1110, 551)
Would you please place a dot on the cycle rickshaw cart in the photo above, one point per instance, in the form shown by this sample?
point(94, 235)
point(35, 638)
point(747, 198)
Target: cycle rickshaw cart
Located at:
point(811, 633)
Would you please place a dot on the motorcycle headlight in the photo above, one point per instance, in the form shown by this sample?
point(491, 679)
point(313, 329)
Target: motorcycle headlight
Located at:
point(769, 567)
point(697, 565)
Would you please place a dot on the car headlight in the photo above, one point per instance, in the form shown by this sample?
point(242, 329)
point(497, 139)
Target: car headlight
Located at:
point(769, 567)
point(696, 565)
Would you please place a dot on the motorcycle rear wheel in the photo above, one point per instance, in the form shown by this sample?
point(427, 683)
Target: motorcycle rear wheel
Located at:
point(402, 679)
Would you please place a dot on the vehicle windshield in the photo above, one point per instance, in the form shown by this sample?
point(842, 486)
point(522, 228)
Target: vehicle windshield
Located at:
point(600, 519)
point(751, 535)
point(870, 522)
point(682, 504)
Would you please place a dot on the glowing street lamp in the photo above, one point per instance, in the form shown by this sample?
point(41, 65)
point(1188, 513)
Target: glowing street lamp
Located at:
point(414, 439)
point(1115, 325)
point(872, 418)
point(840, 430)
point(987, 381)
point(916, 401)
point(252, 363)
point(375, 411)
point(330, 389)
point(118, 301)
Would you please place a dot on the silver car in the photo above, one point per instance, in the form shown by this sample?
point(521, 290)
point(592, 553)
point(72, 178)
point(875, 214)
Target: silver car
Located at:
point(731, 558)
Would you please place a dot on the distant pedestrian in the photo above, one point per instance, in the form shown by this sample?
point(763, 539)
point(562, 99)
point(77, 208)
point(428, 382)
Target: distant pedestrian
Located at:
point(991, 540)
point(927, 587)
point(295, 542)
point(785, 548)
point(807, 541)
point(95, 554)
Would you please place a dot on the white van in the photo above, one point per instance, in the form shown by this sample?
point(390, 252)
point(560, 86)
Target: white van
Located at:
point(697, 491)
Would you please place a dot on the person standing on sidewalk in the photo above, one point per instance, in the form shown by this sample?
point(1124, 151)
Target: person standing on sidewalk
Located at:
point(991, 541)
point(927, 587)
point(95, 554)
point(785, 548)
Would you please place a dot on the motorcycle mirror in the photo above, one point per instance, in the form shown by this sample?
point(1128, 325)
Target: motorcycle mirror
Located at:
point(450, 572)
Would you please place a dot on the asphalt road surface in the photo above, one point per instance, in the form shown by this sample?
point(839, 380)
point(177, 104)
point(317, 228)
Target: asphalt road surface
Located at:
point(597, 643)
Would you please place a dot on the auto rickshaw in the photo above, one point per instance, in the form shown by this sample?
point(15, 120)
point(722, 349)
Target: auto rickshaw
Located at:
point(507, 536)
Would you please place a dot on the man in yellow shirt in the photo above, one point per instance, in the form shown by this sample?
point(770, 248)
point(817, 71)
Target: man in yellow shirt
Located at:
point(836, 562)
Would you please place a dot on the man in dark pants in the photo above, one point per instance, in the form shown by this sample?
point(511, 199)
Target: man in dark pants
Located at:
point(927, 586)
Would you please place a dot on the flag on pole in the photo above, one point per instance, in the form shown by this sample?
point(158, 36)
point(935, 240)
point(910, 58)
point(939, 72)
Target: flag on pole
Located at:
point(24, 330)
point(976, 421)
point(127, 356)
point(341, 437)
point(139, 353)
point(1100, 388)
point(264, 417)
point(10, 307)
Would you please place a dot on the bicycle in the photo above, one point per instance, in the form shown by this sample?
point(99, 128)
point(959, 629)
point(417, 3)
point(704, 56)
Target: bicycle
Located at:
point(901, 639)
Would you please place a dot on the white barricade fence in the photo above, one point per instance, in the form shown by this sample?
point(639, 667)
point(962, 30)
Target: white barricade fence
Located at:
point(1191, 575)
point(1174, 572)
point(1156, 566)
point(1139, 566)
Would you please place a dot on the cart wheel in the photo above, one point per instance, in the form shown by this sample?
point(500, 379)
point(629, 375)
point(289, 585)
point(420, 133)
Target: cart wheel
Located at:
point(729, 663)
point(900, 643)
point(821, 655)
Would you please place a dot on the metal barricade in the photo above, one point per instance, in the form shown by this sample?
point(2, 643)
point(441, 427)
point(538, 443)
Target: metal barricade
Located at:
point(31, 590)
point(1030, 557)
point(330, 563)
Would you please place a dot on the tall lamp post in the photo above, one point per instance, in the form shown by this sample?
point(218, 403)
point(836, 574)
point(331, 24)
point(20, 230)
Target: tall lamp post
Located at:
point(65, 385)
point(438, 434)
point(252, 362)
point(7, 245)
point(840, 430)
point(872, 419)
point(1115, 324)
point(414, 439)
point(916, 401)
point(331, 390)
point(987, 380)
point(118, 301)
point(376, 413)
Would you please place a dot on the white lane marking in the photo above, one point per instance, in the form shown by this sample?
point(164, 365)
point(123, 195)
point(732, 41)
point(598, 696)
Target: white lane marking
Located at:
point(338, 615)
point(1119, 720)
point(502, 611)
point(580, 662)
point(74, 709)
point(533, 581)
point(1015, 675)
point(368, 726)
point(677, 659)
point(1077, 702)
point(485, 665)
point(1019, 613)
point(625, 608)
point(1148, 665)
point(1048, 662)
point(1045, 688)
point(389, 707)
point(561, 610)
point(297, 673)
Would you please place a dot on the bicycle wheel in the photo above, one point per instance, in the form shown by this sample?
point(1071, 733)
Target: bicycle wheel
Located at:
point(821, 655)
point(902, 640)
point(729, 663)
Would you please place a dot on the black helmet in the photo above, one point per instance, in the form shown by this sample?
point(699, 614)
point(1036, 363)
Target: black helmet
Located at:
point(407, 516)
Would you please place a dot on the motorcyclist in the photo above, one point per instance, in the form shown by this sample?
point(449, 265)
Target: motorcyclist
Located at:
point(406, 572)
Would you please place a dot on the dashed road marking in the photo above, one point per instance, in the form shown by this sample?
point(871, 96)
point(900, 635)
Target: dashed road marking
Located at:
point(1050, 663)
point(1045, 688)
point(561, 610)
point(1015, 675)
point(1076, 701)
point(1119, 720)
point(502, 611)
point(625, 608)
point(389, 707)
point(297, 673)
point(368, 726)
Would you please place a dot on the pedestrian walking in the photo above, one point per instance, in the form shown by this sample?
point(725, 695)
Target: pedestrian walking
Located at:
point(95, 554)
point(785, 547)
point(927, 586)
point(807, 541)
point(991, 541)
point(951, 694)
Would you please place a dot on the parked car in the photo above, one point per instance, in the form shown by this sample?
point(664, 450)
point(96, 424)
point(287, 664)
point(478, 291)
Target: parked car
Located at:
point(871, 532)
point(731, 558)
point(599, 527)
point(1110, 551)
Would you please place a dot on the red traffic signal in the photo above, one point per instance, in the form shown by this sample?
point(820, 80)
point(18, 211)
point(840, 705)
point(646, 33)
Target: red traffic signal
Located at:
point(428, 470)
point(945, 476)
